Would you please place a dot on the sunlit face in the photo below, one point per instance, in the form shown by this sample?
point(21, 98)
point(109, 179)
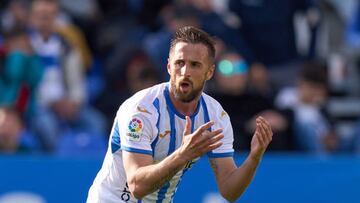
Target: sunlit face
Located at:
point(43, 15)
point(189, 67)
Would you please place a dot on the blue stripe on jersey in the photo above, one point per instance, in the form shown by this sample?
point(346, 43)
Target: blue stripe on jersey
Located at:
point(207, 119)
point(115, 138)
point(206, 112)
point(220, 155)
point(172, 111)
point(140, 151)
point(186, 169)
point(162, 192)
point(192, 123)
point(50, 61)
point(177, 184)
point(169, 104)
point(157, 106)
point(172, 132)
point(139, 201)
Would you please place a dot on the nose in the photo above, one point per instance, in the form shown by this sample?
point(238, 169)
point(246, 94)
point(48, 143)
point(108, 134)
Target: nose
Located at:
point(185, 70)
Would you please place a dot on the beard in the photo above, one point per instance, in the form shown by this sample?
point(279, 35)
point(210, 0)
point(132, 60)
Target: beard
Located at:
point(189, 96)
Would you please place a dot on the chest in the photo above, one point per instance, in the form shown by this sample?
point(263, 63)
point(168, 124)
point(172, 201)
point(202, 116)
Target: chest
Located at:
point(170, 132)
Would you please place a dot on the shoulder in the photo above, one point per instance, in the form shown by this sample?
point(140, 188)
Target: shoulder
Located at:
point(142, 102)
point(214, 108)
point(211, 102)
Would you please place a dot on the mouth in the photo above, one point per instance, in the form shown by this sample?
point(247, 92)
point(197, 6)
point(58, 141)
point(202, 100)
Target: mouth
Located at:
point(185, 85)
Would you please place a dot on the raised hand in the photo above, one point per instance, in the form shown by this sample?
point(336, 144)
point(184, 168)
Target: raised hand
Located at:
point(201, 141)
point(261, 138)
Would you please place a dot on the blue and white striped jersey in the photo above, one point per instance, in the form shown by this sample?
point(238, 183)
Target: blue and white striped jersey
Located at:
point(148, 123)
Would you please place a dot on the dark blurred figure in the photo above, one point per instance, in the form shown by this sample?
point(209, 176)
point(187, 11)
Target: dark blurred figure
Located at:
point(139, 72)
point(173, 17)
point(313, 127)
point(15, 15)
point(13, 136)
point(231, 89)
point(268, 36)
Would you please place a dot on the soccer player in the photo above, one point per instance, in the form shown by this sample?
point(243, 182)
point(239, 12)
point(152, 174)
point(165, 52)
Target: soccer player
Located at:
point(161, 131)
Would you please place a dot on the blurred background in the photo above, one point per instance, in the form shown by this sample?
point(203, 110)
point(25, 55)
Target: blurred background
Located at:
point(66, 66)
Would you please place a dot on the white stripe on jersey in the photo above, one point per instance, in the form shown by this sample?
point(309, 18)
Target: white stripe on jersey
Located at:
point(148, 123)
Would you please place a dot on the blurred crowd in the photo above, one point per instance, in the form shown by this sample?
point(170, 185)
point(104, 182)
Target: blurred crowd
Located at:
point(66, 66)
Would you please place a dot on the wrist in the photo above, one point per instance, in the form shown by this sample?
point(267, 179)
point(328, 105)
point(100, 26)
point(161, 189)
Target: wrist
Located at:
point(255, 156)
point(182, 158)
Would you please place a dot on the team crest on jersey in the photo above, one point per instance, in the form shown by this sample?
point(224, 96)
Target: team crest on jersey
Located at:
point(134, 129)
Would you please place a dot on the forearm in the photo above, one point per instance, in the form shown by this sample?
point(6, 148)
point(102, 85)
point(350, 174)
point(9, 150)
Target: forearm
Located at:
point(234, 185)
point(148, 179)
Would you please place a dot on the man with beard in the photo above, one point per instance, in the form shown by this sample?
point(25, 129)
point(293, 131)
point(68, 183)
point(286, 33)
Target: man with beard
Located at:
point(161, 131)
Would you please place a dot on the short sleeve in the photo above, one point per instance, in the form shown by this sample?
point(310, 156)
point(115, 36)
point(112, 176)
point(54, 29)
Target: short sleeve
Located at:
point(222, 120)
point(135, 133)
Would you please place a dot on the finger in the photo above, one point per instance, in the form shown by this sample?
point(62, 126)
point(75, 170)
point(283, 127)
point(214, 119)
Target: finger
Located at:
point(203, 127)
point(263, 120)
point(259, 139)
point(211, 141)
point(266, 125)
point(214, 146)
point(258, 119)
point(265, 135)
point(206, 137)
point(187, 129)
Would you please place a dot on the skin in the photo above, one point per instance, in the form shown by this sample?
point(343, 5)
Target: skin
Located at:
point(190, 67)
point(43, 17)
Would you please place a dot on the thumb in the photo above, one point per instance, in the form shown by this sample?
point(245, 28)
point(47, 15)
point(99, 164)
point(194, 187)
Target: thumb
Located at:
point(187, 129)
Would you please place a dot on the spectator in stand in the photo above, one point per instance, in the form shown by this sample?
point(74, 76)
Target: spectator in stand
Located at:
point(62, 93)
point(139, 73)
point(21, 73)
point(15, 15)
point(313, 129)
point(232, 90)
point(173, 17)
point(14, 138)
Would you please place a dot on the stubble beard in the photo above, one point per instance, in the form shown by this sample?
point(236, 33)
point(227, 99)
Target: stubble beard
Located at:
point(186, 97)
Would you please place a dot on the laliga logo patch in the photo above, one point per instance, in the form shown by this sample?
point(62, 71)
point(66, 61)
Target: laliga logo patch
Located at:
point(134, 129)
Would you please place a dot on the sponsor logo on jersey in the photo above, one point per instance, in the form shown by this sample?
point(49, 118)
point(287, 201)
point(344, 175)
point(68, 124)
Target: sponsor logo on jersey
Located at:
point(143, 110)
point(162, 135)
point(134, 129)
point(223, 114)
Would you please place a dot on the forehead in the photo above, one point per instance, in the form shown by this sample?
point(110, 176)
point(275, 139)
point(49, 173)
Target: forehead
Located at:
point(189, 51)
point(41, 6)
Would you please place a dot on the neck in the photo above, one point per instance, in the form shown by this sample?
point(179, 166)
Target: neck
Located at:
point(185, 108)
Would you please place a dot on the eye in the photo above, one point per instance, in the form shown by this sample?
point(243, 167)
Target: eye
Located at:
point(179, 63)
point(195, 64)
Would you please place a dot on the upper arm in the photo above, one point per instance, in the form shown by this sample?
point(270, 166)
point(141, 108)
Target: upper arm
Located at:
point(136, 136)
point(222, 168)
point(133, 161)
point(136, 133)
point(222, 120)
